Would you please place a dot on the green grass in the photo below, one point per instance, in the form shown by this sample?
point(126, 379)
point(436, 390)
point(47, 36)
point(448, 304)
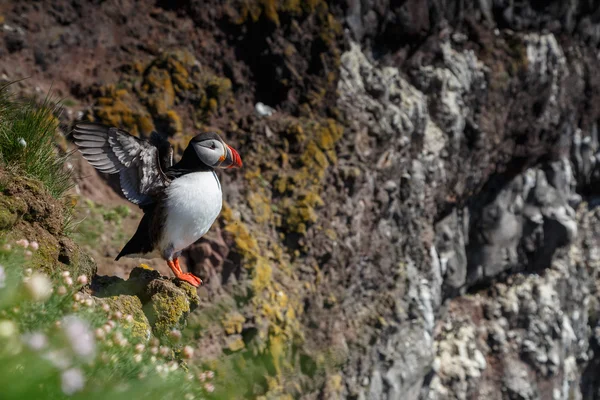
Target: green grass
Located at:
point(115, 369)
point(27, 137)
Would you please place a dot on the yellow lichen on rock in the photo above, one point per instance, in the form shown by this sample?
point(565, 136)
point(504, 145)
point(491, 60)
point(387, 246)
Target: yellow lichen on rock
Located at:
point(117, 107)
point(232, 322)
point(126, 304)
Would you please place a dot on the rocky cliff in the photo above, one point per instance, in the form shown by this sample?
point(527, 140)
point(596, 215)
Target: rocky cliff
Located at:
point(417, 216)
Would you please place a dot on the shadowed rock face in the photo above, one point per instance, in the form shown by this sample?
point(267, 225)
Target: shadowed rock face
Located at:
point(417, 220)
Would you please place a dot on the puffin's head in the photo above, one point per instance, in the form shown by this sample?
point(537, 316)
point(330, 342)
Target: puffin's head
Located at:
point(214, 152)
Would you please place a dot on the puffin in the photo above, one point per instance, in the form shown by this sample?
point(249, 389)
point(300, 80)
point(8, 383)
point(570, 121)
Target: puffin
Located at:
point(180, 201)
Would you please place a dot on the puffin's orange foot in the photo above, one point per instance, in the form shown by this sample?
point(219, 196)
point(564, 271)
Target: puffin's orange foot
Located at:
point(190, 278)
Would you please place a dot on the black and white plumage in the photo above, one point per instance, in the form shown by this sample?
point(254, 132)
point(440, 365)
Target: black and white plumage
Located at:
point(180, 201)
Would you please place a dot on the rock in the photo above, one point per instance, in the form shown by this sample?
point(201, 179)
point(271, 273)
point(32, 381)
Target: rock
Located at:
point(163, 304)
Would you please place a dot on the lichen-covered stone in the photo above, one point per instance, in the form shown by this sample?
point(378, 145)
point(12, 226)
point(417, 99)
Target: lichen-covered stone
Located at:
point(128, 304)
point(167, 307)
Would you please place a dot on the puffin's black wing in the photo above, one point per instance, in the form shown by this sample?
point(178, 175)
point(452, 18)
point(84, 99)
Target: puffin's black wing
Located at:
point(165, 150)
point(138, 161)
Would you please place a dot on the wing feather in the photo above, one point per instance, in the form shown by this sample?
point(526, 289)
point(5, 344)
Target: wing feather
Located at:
point(138, 161)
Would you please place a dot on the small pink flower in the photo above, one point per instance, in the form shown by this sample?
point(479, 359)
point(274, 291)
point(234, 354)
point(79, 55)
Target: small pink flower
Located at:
point(34, 245)
point(187, 352)
point(82, 280)
point(24, 243)
point(106, 307)
point(209, 387)
point(61, 290)
point(100, 334)
point(139, 348)
point(175, 335)
point(164, 351)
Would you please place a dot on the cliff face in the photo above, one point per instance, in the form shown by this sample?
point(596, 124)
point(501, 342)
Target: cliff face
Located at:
point(418, 218)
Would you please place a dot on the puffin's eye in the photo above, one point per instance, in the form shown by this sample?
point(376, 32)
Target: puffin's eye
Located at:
point(213, 145)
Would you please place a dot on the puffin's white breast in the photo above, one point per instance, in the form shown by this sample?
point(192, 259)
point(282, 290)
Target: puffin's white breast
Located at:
point(193, 203)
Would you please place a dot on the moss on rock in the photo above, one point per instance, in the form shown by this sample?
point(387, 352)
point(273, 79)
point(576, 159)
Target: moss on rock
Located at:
point(128, 304)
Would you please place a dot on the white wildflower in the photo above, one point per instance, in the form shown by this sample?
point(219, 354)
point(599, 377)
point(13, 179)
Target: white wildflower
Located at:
point(39, 287)
point(2, 277)
point(80, 336)
point(129, 318)
point(89, 302)
point(137, 358)
point(210, 374)
point(64, 274)
point(28, 254)
point(172, 366)
point(118, 315)
point(34, 245)
point(106, 307)
point(154, 350)
point(22, 142)
point(82, 280)
point(68, 280)
point(61, 290)
point(77, 297)
point(7, 329)
point(58, 358)
point(35, 341)
point(139, 348)
point(72, 381)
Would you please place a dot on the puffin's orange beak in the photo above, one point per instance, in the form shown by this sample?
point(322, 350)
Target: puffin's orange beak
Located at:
point(232, 160)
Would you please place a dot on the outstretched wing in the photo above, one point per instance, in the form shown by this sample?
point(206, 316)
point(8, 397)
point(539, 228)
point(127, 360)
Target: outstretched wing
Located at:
point(138, 162)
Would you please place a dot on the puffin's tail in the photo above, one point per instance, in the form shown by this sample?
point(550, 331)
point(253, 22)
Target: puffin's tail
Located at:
point(141, 242)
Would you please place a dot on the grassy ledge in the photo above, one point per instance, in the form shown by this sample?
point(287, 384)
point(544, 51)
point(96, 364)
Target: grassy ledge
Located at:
point(27, 136)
